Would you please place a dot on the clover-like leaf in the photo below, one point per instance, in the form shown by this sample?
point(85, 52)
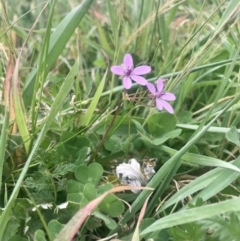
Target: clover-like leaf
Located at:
point(104, 188)
point(161, 123)
point(17, 238)
point(113, 144)
point(166, 136)
point(75, 197)
point(127, 146)
point(111, 206)
point(89, 191)
point(74, 186)
point(82, 155)
point(11, 229)
point(75, 191)
point(110, 223)
point(71, 146)
point(89, 174)
point(184, 117)
point(39, 235)
point(55, 227)
point(93, 223)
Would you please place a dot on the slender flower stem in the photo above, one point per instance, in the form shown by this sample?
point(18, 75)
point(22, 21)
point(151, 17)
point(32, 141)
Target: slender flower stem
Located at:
point(106, 134)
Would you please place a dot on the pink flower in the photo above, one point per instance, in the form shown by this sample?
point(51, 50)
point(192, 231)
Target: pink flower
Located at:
point(129, 73)
point(161, 96)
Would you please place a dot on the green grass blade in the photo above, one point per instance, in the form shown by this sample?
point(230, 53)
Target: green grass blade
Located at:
point(19, 109)
point(41, 70)
point(225, 178)
point(194, 214)
point(57, 104)
point(231, 11)
point(213, 129)
point(113, 20)
point(201, 160)
point(203, 182)
point(58, 40)
point(87, 118)
point(3, 141)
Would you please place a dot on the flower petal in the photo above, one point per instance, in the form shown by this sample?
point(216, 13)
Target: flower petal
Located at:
point(163, 104)
point(118, 70)
point(139, 79)
point(151, 87)
point(128, 61)
point(141, 70)
point(159, 104)
point(160, 85)
point(168, 96)
point(127, 83)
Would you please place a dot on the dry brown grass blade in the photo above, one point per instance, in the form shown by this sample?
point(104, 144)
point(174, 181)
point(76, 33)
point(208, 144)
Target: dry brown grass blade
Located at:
point(8, 91)
point(7, 82)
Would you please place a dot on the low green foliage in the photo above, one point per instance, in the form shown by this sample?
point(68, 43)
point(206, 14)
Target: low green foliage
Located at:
point(67, 121)
point(222, 227)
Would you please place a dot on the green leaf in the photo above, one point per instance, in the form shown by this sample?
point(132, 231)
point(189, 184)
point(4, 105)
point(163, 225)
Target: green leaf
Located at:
point(55, 227)
point(39, 235)
point(111, 206)
point(58, 40)
point(113, 144)
point(110, 223)
point(146, 138)
point(82, 156)
point(73, 148)
point(20, 208)
point(161, 123)
point(128, 146)
point(81, 174)
point(139, 127)
point(89, 191)
point(89, 174)
point(72, 208)
point(92, 224)
point(17, 238)
point(74, 186)
point(122, 125)
point(184, 117)
point(165, 137)
point(11, 229)
point(75, 197)
point(70, 140)
point(75, 191)
point(233, 136)
point(104, 188)
point(71, 145)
